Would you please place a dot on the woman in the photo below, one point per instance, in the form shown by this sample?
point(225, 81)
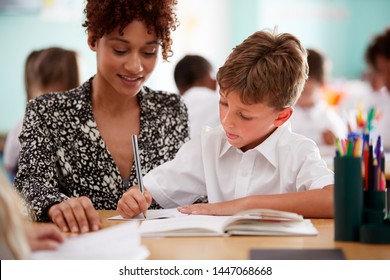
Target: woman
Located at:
point(76, 146)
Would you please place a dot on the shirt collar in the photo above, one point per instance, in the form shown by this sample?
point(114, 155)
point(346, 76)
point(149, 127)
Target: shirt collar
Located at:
point(267, 148)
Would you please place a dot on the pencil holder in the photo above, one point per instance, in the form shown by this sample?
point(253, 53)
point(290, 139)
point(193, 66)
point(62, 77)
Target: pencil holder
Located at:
point(374, 206)
point(348, 198)
point(387, 206)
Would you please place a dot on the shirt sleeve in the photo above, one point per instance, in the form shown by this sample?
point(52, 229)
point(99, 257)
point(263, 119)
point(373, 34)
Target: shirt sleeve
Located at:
point(12, 148)
point(180, 181)
point(37, 179)
point(313, 172)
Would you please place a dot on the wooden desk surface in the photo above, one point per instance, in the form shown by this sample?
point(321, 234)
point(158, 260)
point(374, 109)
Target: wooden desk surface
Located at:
point(238, 247)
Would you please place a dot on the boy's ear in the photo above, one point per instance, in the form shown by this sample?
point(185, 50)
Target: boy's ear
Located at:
point(91, 44)
point(283, 116)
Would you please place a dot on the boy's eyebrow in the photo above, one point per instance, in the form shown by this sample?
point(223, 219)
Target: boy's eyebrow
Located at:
point(153, 42)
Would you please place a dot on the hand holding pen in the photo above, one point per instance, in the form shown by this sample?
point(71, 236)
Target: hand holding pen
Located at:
point(138, 166)
point(136, 199)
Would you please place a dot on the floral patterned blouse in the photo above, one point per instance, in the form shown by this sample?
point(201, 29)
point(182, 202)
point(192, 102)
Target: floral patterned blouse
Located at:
point(63, 154)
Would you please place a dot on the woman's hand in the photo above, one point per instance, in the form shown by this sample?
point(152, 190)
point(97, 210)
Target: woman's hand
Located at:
point(76, 215)
point(133, 202)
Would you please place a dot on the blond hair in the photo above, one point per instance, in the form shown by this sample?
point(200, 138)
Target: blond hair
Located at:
point(266, 67)
point(12, 235)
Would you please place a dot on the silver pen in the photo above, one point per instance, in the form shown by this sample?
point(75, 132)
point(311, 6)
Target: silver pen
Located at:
point(138, 166)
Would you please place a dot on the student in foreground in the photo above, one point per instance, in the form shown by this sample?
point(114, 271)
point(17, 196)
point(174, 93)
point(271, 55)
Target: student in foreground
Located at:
point(18, 236)
point(253, 160)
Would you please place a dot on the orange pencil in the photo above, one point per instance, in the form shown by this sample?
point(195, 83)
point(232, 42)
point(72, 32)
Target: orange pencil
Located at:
point(357, 151)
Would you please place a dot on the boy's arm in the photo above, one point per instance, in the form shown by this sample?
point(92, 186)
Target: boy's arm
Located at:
point(316, 203)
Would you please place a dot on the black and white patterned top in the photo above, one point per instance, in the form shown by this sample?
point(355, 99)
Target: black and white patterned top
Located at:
point(63, 154)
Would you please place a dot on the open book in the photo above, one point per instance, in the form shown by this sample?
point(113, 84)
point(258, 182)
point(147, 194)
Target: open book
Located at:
point(252, 222)
point(153, 214)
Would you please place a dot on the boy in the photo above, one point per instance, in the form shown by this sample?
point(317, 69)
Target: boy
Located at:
point(196, 84)
point(312, 117)
point(378, 57)
point(253, 160)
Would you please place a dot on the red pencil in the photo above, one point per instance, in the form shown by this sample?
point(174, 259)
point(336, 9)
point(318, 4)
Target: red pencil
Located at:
point(366, 165)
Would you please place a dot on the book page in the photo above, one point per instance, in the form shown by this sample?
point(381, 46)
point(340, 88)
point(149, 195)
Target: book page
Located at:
point(153, 214)
point(271, 215)
point(187, 225)
point(117, 242)
point(272, 228)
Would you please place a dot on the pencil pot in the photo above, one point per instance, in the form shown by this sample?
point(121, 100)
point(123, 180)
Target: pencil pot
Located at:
point(348, 198)
point(374, 206)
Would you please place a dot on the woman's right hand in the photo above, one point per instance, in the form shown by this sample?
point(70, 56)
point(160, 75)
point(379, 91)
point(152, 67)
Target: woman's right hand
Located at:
point(76, 215)
point(133, 202)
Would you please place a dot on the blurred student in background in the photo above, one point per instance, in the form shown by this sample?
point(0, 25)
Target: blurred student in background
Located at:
point(361, 94)
point(312, 116)
point(52, 69)
point(195, 81)
point(18, 236)
point(379, 59)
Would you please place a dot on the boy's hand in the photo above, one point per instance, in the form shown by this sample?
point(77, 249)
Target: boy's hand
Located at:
point(217, 209)
point(76, 215)
point(133, 202)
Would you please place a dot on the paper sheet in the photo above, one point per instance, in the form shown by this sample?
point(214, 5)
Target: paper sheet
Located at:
point(120, 242)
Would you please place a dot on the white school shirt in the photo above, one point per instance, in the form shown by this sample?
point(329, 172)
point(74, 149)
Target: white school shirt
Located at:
point(203, 109)
point(382, 126)
point(12, 147)
point(312, 122)
point(208, 165)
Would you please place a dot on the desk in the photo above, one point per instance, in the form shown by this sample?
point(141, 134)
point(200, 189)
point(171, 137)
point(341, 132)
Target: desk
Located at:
point(237, 247)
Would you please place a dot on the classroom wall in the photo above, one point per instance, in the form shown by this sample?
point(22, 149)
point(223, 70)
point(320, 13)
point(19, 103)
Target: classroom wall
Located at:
point(23, 31)
point(201, 31)
point(341, 28)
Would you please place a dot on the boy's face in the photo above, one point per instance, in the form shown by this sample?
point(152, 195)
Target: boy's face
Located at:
point(310, 94)
point(246, 126)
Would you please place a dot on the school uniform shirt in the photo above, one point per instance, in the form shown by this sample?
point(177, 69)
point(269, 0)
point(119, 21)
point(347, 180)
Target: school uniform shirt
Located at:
point(203, 109)
point(208, 165)
point(382, 125)
point(12, 148)
point(63, 154)
point(312, 122)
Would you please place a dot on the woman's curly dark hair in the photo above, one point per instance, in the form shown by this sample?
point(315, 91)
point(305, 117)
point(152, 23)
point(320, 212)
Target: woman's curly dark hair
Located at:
point(103, 16)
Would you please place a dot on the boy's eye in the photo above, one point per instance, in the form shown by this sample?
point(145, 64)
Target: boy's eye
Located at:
point(245, 117)
point(222, 103)
point(118, 51)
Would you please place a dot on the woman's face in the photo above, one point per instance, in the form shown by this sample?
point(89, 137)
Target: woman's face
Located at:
point(125, 62)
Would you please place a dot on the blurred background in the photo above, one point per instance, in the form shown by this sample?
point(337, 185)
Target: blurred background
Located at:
point(341, 29)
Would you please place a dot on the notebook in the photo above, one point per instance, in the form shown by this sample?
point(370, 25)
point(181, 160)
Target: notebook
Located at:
point(252, 222)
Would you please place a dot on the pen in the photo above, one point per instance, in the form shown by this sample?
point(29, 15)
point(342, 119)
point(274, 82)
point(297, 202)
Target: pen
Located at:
point(138, 165)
